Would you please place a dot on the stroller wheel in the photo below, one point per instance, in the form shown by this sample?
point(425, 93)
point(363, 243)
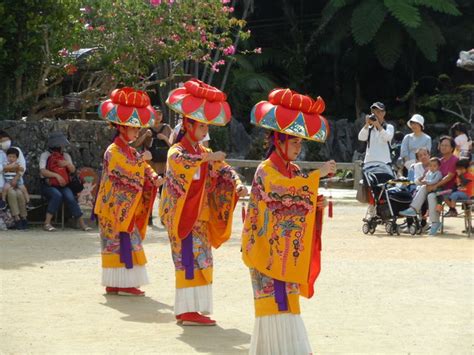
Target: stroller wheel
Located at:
point(372, 229)
point(397, 229)
point(389, 228)
point(413, 230)
point(365, 228)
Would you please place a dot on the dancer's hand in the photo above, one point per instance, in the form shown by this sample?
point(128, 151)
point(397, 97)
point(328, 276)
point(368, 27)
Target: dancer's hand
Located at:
point(215, 156)
point(328, 168)
point(158, 181)
point(146, 155)
point(241, 190)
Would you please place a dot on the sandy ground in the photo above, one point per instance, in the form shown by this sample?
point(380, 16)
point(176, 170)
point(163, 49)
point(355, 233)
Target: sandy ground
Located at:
point(376, 294)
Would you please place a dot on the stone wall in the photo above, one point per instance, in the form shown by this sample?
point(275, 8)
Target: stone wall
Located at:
point(89, 139)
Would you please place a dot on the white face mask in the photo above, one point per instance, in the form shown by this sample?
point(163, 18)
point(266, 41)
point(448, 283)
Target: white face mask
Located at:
point(6, 145)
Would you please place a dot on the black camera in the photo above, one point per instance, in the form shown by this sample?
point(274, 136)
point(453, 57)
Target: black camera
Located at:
point(372, 117)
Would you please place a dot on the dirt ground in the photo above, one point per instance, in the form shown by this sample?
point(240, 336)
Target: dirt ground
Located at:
point(376, 294)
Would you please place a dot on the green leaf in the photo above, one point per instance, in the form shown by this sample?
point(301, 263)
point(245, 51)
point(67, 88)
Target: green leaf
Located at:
point(388, 45)
point(404, 12)
point(448, 7)
point(339, 3)
point(425, 41)
point(366, 20)
point(435, 30)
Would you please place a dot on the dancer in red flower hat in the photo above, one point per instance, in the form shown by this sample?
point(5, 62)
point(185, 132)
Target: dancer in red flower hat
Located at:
point(198, 199)
point(127, 190)
point(281, 238)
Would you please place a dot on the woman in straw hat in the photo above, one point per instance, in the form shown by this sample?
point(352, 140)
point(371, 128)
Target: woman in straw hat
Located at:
point(281, 238)
point(198, 199)
point(127, 190)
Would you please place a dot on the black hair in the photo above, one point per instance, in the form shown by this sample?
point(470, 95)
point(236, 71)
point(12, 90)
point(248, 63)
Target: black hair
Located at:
point(463, 163)
point(461, 127)
point(437, 160)
point(13, 151)
point(4, 134)
point(450, 139)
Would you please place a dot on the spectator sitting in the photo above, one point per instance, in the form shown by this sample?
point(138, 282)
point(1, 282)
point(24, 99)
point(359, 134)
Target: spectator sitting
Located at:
point(464, 190)
point(414, 141)
point(5, 144)
point(14, 176)
point(462, 140)
point(418, 170)
point(433, 176)
point(14, 191)
point(54, 180)
point(428, 192)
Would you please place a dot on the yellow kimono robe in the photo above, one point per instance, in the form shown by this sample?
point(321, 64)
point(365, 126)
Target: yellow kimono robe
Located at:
point(281, 238)
point(213, 208)
point(124, 203)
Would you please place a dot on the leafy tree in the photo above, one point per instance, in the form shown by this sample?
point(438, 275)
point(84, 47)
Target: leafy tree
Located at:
point(144, 43)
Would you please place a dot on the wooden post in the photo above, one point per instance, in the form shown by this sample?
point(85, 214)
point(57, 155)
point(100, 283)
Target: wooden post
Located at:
point(357, 173)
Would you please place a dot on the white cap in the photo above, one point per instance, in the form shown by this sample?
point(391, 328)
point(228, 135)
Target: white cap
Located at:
point(417, 119)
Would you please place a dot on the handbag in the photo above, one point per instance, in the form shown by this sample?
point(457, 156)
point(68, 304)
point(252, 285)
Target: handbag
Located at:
point(75, 184)
point(362, 194)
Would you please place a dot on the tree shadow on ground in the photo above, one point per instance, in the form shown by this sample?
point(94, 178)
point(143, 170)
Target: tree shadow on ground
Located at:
point(140, 309)
point(204, 339)
point(34, 246)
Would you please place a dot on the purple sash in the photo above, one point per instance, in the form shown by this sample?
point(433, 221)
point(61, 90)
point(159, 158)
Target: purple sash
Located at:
point(187, 257)
point(280, 295)
point(126, 250)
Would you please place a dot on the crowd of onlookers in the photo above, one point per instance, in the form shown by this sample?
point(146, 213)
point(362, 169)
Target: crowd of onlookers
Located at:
point(56, 170)
point(448, 175)
point(444, 177)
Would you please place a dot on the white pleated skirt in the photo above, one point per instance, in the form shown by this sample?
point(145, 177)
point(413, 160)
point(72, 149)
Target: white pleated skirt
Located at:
point(193, 299)
point(123, 277)
point(280, 334)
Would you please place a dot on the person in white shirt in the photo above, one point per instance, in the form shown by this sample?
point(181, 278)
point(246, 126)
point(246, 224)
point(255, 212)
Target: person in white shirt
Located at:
point(460, 134)
point(377, 134)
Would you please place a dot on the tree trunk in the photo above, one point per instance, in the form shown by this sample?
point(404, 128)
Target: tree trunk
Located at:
point(358, 98)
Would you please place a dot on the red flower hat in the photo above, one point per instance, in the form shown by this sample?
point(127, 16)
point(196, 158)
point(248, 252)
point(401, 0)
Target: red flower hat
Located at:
point(128, 107)
point(291, 113)
point(201, 102)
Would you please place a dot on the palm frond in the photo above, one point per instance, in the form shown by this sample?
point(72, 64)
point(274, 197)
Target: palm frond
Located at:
point(425, 41)
point(404, 12)
point(366, 20)
point(448, 7)
point(388, 45)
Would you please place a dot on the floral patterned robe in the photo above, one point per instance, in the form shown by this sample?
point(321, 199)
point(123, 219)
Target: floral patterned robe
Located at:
point(196, 207)
point(124, 203)
point(281, 239)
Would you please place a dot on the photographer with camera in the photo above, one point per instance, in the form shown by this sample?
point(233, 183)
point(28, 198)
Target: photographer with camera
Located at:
point(378, 134)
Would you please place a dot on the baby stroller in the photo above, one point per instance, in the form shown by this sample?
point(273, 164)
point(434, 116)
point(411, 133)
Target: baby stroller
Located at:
point(390, 195)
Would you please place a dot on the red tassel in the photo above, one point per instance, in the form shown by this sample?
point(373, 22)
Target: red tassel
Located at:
point(330, 208)
point(243, 211)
